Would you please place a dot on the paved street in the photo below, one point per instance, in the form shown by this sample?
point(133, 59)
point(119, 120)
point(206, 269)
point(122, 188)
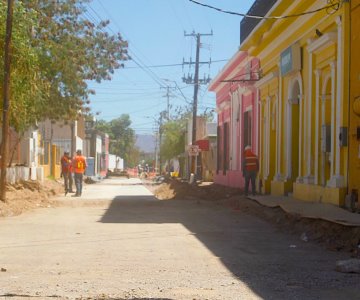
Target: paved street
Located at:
point(119, 241)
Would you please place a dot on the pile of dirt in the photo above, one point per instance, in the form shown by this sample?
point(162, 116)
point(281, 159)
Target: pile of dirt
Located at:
point(333, 236)
point(27, 195)
point(177, 189)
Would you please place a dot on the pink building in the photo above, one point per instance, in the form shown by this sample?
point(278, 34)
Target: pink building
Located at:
point(237, 108)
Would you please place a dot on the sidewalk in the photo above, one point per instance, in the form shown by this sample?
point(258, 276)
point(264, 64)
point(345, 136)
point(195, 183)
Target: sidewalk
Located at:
point(311, 210)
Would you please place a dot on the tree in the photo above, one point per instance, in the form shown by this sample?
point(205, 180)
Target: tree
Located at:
point(28, 90)
point(72, 50)
point(56, 50)
point(122, 138)
point(173, 131)
point(6, 94)
point(173, 135)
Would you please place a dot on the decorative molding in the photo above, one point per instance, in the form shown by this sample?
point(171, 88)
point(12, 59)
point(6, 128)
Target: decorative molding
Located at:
point(317, 72)
point(325, 40)
point(266, 79)
point(288, 34)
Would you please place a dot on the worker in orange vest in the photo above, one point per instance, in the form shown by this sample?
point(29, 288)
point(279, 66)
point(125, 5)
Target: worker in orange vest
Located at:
point(250, 169)
point(66, 169)
point(79, 167)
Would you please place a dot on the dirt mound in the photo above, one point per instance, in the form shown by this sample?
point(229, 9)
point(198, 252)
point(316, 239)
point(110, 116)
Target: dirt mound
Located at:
point(333, 236)
point(27, 195)
point(176, 189)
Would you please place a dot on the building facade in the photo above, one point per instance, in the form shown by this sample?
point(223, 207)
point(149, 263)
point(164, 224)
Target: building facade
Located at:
point(303, 98)
point(237, 108)
point(354, 126)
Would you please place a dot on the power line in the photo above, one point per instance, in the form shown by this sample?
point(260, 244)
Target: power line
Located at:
point(137, 111)
point(88, 14)
point(173, 65)
point(143, 67)
point(332, 5)
point(140, 64)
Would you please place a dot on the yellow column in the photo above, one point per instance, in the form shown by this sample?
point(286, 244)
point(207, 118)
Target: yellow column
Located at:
point(53, 160)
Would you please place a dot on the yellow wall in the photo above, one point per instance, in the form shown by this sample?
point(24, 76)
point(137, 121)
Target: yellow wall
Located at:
point(354, 143)
point(267, 42)
point(53, 169)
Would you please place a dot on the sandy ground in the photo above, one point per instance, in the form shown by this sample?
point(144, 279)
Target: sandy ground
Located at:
point(119, 242)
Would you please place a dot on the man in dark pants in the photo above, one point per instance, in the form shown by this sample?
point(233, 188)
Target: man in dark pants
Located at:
point(250, 169)
point(66, 172)
point(79, 165)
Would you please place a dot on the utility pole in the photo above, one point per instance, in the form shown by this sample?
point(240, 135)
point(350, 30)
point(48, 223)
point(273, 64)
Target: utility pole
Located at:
point(168, 96)
point(196, 81)
point(156, 152)
point(160, 137)
point(6, 99)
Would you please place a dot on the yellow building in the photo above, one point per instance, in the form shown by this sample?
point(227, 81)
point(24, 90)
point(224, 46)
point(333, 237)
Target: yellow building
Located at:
point(354, 127)
point(303, 97)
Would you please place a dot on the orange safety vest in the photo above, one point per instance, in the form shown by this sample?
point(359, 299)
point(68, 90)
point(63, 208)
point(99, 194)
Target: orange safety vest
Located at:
point(251, 161)
point(65, 164)
point(80, 164)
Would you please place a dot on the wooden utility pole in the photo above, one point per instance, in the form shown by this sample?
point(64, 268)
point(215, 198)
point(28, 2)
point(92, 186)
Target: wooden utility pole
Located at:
point(6, 99)
point(196, 81)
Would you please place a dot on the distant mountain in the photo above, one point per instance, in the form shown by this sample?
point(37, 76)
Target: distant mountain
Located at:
point(145, 142)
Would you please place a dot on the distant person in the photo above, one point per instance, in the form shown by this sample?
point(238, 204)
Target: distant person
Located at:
point(139, 170)
point(79, 165)
point(250, 168)
point(66, 172)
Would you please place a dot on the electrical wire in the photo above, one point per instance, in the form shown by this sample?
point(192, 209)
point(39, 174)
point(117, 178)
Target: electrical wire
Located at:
point(89, 15)
point(140, 110)
point(174, 65)
point(138, 61)
point(331, 5)
point(151, 74)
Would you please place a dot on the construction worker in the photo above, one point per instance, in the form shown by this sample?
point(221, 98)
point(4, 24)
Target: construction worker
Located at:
point(79, 166)
point(66, 172)
point(250, 168)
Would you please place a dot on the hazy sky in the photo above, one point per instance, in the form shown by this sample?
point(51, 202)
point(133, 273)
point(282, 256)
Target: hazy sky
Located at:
point(155, 32)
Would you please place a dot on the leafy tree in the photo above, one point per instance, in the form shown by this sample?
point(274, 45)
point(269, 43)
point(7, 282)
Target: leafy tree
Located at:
point(173, 131)
point(173, 135)
point(122, 138)
point(28, 90)
point(72, 50)
point(56, 50)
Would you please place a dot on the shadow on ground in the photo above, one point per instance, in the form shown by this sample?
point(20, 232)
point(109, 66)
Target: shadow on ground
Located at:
point(273, 265)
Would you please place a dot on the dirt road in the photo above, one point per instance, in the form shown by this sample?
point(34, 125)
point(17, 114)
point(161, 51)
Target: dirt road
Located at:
point(119, 242)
